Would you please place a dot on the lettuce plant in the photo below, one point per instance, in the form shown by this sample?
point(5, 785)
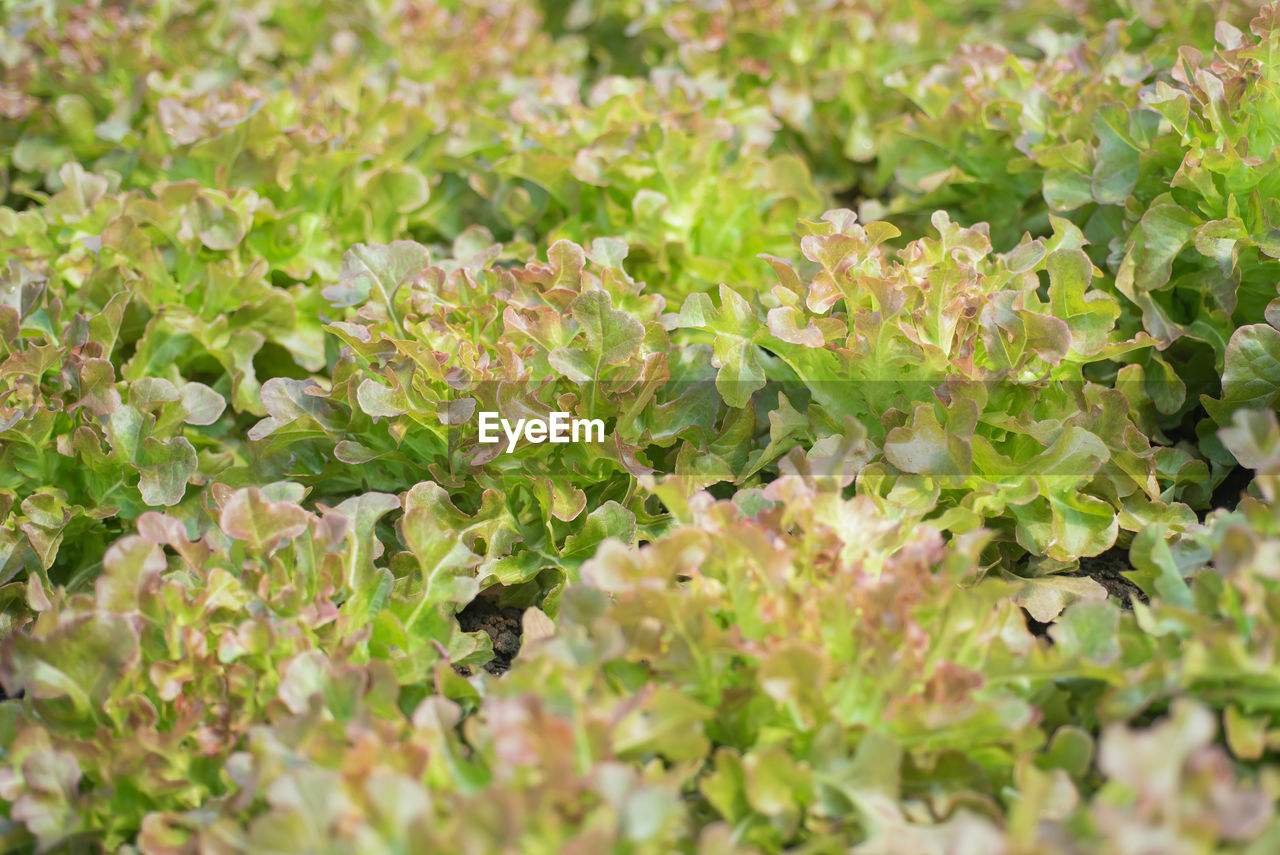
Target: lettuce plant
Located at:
point(432, 345)
point(1162, 158)
point(823, 68)
point(197, 629)
point(973, 375)
point(690, 691)
point(947, 527)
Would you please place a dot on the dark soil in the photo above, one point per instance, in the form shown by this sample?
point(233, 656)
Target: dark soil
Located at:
point(503, 625)
point(1037, 628)
point(1228, 493)
point(1105, 569)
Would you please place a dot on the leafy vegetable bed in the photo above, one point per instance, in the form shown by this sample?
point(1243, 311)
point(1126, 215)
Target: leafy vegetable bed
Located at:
point(937, 352)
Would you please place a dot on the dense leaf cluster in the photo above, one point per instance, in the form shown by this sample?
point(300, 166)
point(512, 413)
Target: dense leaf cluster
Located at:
point(906, 320)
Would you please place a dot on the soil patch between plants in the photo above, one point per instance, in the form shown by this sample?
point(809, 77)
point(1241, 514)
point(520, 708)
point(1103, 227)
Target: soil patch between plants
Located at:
point(503, 625)
point(1105, 569)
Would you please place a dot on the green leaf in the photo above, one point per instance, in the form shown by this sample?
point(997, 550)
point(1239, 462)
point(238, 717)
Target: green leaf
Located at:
point(1162, 233)
point(362, 514)
point(248, 516)
point(1088, 629)
point(377, 271)
point(164, 468)
point(1045, 597)
point(82, 660)
point(1116, 170)
point(612, 335)
point(204, 406)
point(1251, 377)
point(1067, 189)
point(610, 520)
